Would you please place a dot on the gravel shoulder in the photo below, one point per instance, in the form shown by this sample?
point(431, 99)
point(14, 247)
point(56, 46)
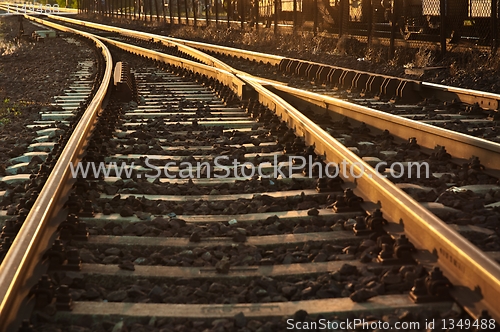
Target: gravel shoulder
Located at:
point(469, 69)
point(31, 73)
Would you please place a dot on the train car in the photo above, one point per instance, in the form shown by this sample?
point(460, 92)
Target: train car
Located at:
point(469, 19)
point(464, 18)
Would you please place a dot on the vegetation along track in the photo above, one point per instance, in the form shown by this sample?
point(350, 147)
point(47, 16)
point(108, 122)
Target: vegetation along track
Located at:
point(374, 149)
point(467, 111)
point(447, 108)
point(197, 260)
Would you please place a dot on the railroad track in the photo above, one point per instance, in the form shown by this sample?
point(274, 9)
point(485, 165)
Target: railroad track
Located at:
point(380, 36)
point(466, 111)
point(184, 247)
point(460, 147)
point(37, 230)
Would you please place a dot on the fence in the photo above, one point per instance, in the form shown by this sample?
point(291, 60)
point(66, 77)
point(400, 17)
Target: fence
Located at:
point(390, 22)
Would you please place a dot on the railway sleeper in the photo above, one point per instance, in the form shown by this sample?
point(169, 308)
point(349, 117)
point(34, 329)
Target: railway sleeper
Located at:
point(378, 85)
point(434, 287)
point(64, 301)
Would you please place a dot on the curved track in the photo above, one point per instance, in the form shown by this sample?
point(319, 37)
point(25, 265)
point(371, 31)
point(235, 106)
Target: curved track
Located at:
point(25, 252)
point(464, 264)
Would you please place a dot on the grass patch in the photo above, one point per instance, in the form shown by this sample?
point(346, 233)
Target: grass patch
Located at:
point(10, 110)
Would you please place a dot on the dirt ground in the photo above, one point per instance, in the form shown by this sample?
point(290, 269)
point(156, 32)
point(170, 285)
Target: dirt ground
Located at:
point(31, 73)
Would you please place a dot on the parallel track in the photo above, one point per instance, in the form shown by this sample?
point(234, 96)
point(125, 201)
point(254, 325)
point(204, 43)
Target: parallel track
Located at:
point(374, 85)
point(458, 145)
point(346, 78)
point(380, 36)
point(26, 251)
point(463, 263)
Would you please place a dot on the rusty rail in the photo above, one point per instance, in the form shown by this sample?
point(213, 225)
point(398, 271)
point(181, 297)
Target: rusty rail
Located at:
point(26, 250)
point(463, 263)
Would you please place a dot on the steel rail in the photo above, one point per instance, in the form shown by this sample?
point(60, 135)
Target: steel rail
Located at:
point(223, 76)
point(255, 56)
point(204, 58)
point(457, 144)
point(226, 50)
point(463, 263)
point(486, 100)
point(24, 254)
point(211, 61)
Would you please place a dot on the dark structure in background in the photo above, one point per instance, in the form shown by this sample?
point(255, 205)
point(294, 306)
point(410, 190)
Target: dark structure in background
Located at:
point(444, 21)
